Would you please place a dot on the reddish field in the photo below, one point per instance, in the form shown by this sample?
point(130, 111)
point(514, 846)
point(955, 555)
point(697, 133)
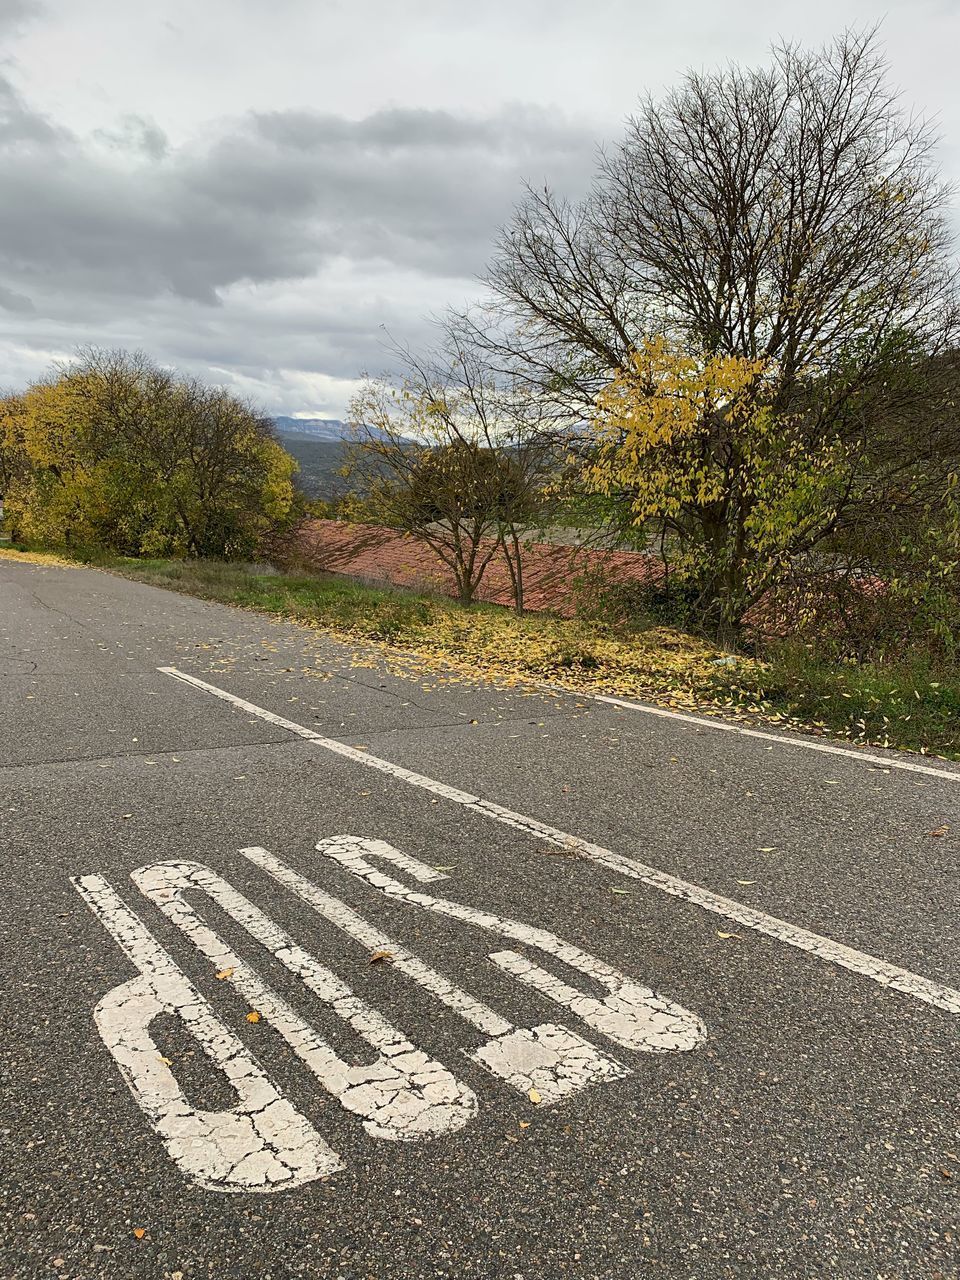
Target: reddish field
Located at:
point(374, 554)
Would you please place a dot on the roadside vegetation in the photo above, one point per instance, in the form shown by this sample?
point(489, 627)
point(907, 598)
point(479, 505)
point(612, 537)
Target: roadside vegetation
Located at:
point(893, 705)
point(113, 451)
point(748, 369)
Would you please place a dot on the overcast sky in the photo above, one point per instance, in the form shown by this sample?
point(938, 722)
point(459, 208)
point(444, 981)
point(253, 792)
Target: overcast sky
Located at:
point(250, 189)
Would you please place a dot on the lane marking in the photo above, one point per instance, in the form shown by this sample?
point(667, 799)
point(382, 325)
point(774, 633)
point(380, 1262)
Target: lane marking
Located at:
point(549, 1058)
point(262, 1143)
point(402, 1096)
point(860, 962)
point(781, 740)
point(630, 1015)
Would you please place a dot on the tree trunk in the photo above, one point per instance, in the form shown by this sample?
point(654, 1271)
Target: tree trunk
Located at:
point(514, 559)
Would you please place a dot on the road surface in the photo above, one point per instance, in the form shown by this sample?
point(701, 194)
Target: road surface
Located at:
point(314, 969)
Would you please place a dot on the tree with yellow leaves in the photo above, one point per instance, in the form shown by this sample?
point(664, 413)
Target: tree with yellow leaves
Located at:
point(692, 446)
point(113, 451)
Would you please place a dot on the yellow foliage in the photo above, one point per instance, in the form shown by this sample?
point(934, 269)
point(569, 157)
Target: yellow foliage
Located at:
point(692, 441)
point(570, 653)
point(115, 452)
point(37, 557)
point(670, 424)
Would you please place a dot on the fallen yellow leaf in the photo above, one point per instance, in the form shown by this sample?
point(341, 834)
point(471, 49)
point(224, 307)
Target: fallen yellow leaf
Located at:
point(379, 957)
point(534, 1096)
point(253, 1016)
point(139, 1232)
point(225, 973)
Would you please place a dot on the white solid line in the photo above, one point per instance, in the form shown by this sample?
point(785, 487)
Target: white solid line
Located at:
point(781, 740)
point(879, 971)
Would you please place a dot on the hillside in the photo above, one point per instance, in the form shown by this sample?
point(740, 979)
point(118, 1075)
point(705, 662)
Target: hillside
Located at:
point(320, 446)
point(320, 459)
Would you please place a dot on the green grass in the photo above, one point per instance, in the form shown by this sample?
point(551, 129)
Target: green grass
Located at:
point(907, 703)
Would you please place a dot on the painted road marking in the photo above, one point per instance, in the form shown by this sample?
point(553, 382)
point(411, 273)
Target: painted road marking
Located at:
point(860, 962)
point(403, 1095)
point(630, 1015)
point(549, 1058)
point(262, 1143)
point(781, 740)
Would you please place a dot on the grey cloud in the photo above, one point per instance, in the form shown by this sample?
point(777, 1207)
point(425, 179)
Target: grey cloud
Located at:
point(136, 136)
point(321, 327)
point(14, 13)
point(16, 302)
point(23, 130)
point(122, 239)
point(275, 198)
point(408, 129)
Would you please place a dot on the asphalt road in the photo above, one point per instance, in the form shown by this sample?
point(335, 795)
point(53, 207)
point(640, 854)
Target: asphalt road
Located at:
point(665, 1069)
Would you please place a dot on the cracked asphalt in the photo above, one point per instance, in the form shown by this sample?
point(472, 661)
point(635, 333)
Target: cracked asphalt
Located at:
point(558, 1070)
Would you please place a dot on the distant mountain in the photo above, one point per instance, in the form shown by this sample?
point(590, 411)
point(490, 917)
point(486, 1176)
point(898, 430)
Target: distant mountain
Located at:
point(320, 464)
point(313, 428)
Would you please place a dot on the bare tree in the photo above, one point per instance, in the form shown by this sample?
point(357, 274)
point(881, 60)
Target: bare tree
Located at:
point(790, 212)
point(789, 215)
point(455, 458)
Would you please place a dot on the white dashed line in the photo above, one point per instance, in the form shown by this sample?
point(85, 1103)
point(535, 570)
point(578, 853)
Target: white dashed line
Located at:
point(867, 966)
